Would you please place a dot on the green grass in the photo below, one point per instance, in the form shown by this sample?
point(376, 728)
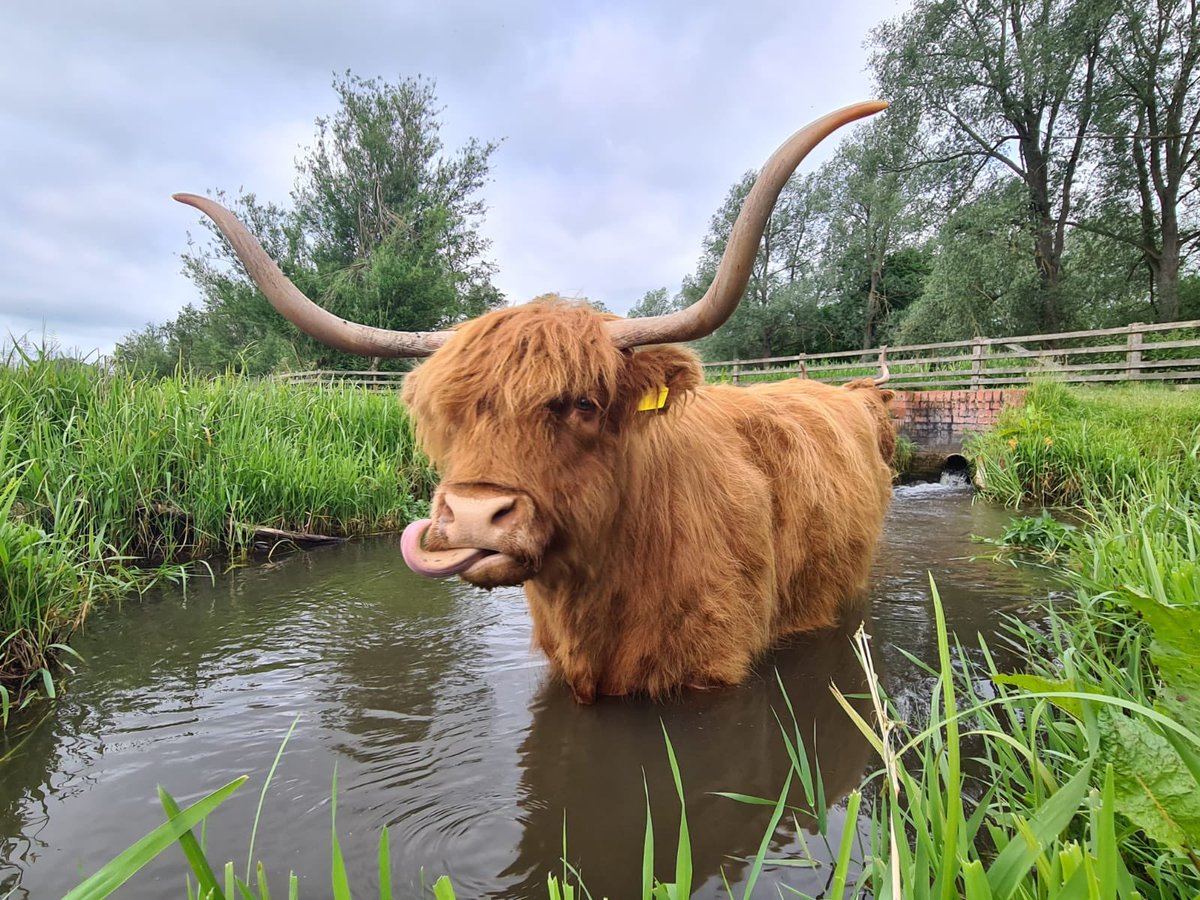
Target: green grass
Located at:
point(1080, 446)
point(105, 476)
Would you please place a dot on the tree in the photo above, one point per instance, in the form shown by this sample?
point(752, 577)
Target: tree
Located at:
point(148, 351)
point(1152, 114)
point(763, 320)
point(902, 283)
point(384, 229)
point(876, 206)
point(657, 302)
point(1108, 283)
point(1010, 87)
point(376, 178)
point(982, 278)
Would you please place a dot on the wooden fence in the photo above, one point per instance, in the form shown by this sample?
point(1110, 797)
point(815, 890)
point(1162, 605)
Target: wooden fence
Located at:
point(337, 376)
point(1169, 352)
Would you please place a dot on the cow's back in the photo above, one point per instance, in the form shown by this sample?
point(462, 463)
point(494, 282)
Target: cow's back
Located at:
point(748, 514)
point(824, 451)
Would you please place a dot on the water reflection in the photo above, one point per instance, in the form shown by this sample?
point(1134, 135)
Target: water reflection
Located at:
point(426, 698)
point(587, 764)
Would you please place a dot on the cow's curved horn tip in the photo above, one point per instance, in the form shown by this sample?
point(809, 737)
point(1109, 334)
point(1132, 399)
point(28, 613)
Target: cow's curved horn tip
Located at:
point(184, 197)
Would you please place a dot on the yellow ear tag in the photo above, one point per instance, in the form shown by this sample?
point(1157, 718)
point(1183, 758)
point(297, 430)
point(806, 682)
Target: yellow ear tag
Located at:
point(654, 400)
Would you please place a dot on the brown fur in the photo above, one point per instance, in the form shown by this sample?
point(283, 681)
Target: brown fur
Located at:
point(665, 550)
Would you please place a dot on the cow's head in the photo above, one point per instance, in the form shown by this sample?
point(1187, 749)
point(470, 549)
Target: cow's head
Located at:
point(527, 410)
point(526, 413)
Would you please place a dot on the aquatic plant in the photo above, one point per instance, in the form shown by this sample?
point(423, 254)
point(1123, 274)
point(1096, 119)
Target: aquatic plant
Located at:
point(1041, 537)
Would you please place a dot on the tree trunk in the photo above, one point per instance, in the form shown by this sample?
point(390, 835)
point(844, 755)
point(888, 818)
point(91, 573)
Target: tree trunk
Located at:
point(872, 310)
point(1166, 273)
point(1045, 248)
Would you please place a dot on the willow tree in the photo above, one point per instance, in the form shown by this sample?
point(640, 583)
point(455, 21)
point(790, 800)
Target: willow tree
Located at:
point(764, 321)
point(1005, 86)
point(383, 228)
point(1150, 119)
point(877, 207)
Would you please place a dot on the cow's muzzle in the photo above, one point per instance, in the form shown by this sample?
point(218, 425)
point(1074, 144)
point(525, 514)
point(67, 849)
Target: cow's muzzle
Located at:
point(479, 533)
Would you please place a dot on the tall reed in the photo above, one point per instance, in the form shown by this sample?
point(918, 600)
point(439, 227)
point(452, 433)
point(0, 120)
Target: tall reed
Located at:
point(105, 470)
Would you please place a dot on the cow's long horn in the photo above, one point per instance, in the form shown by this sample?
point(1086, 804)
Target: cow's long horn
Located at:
point(302, 312)
point(719, 301)
point(885, 374)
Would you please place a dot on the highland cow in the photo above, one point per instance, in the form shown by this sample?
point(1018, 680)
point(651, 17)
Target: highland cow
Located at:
point(666, 531)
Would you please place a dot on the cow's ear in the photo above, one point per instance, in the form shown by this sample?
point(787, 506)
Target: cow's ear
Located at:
point(647, 372)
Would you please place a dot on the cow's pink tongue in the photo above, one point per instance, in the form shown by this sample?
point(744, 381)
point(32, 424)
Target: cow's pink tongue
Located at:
point(435, 563)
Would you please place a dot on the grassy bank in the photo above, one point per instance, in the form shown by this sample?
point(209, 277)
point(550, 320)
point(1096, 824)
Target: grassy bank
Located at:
point(1081, 447)
point(104, 477)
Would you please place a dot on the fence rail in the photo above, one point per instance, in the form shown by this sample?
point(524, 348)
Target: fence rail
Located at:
point(1168, 352)
point(339, 376)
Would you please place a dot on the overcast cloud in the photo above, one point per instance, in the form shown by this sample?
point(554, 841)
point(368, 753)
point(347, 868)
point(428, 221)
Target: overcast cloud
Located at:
point(623, 125)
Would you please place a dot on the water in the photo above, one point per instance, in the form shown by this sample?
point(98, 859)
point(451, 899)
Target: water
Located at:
point(441, 724)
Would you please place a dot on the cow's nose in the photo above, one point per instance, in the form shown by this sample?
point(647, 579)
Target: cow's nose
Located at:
point(477, 520)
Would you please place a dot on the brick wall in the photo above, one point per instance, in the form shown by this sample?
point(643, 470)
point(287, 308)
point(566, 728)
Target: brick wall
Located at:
point(944, 418)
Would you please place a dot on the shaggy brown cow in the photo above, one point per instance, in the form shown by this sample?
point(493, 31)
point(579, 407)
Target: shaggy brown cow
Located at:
point(666, 531)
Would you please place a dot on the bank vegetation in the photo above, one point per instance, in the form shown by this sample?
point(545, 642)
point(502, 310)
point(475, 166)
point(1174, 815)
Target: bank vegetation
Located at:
point(110, 481)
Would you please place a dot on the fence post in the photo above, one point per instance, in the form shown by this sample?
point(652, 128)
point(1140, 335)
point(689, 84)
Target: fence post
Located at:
point(1133, 355)
point(736, 375)
point(977, 363)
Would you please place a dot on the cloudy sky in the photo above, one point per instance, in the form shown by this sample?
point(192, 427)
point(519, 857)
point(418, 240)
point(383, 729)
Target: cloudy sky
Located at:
point(623, 124)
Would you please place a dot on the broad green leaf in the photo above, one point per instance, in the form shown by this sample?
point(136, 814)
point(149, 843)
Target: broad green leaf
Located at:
point(191, 849)
point(1175, 649)
point(1153, 787)
point(849, 833)
point(1175, 652)
point(683, 850)
point(975, 882)
point(756, 866)
point(385, 866)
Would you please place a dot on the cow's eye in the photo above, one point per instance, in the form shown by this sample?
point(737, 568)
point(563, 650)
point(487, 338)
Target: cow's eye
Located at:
point(583, 404)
